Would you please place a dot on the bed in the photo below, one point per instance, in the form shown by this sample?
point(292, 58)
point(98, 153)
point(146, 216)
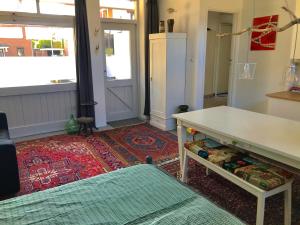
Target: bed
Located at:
point(140, 194)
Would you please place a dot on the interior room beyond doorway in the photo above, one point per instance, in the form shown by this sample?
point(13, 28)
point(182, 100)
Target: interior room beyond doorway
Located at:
point(218, 59)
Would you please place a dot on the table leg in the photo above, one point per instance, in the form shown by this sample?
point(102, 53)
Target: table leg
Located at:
point(288, 205)
point(185, 168)
point(260, 213)
point(207, 172)
point(181, 133)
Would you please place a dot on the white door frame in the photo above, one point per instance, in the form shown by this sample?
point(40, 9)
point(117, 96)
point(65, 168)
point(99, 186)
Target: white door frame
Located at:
point(109, 24)
point(234, 54)
point(200, 79)
point(234, 59)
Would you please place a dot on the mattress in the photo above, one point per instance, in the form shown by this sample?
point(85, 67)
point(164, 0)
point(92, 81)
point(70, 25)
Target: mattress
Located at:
point(140, 194)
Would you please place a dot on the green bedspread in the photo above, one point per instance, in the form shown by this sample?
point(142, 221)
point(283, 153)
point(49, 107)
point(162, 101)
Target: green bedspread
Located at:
point(137, 195)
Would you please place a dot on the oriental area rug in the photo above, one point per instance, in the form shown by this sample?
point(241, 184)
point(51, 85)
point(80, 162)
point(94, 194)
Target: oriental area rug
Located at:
point(57, 160)
point(49, 162)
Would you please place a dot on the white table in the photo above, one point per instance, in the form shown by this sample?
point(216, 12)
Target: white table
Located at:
point(271, 137)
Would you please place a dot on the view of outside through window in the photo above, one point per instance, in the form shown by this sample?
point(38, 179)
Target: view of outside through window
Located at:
point(56, 7)
point(28, 6)
point(118, 55)
point(118, 9)
point(36, 55)
point(39, 55)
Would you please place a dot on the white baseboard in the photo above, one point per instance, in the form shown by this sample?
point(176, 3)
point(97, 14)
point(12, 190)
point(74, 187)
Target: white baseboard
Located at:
point(163, 124)
point(158, 125)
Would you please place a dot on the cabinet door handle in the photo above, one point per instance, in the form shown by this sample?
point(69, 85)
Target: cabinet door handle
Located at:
point(151, 78)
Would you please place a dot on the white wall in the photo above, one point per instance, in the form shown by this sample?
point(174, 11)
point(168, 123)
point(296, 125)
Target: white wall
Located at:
point(97, 61)
point(191, 18)
point(186, 21)
point(141, 56)
point(270, 64)
point(297, 55)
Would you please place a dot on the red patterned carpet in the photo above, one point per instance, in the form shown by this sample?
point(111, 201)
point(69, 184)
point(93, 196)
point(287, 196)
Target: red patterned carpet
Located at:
point(57, 160)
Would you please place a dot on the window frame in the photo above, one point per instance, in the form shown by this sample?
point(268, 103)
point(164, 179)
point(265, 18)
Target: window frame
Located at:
point(38, 11)
point(23, 18)
point(37, 19)
point(37, 89)
point(117, 20)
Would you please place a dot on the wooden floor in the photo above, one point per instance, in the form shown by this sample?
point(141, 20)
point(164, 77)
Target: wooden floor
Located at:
point(110, 125)
point(215, 101)
point(123, 123)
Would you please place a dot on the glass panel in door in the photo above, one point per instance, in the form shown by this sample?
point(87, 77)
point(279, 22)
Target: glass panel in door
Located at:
point(118, 54)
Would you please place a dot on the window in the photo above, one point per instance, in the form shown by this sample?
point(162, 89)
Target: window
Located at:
point(54, 7)
point(20, 51)
point(57, 7)
point(118, 9)
point(109, 43)
point(36, 54)
point(117, 52)
point(43, 55)
point(28, 6)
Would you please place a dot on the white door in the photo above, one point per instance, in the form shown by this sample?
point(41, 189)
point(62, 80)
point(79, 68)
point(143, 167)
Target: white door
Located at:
point(224, 61)
point(121, 76)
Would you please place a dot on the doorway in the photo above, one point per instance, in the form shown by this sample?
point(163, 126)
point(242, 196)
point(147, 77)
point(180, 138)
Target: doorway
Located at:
point(218, 59)
point(120, 74)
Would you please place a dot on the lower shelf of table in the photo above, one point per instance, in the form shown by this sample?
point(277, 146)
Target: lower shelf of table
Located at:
point(235, 179)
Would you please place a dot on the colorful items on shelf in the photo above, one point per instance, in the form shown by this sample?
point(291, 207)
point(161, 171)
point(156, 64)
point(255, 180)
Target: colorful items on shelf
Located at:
point(231, 166)
point(203, 154)
point(192, 132)
point(247, 168)
point(196, 147)
point(266, 177)
point(217, 156)
point(209, 143)
point(251, 161)
point(221, 156)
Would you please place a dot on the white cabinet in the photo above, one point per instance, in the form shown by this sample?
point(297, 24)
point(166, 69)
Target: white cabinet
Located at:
point(284, 104)
point(167, 71)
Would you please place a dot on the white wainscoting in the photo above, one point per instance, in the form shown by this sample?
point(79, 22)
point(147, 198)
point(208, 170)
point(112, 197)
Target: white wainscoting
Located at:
point(38, 109)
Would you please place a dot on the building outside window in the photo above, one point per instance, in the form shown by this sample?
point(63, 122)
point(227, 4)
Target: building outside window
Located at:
point(20, 51)
point(3, 50)
point(118, 9)
point(43, 50)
